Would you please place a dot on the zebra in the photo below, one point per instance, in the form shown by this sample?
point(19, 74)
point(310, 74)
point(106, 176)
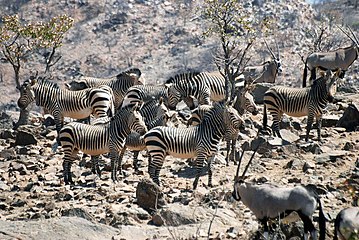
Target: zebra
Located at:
point(144, 93)
point(243, 102)
point(64, 103)
point(204, 86)
point(198, 141)
point(119, 83)
point(99, 139)
point(154, 113)
point(298, 102)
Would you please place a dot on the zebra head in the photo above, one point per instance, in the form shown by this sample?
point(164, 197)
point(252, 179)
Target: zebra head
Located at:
point(244, 101)
point(27, 94)
point(331, 85)
point(174, 96)
point(232, 120)
point(135, 120)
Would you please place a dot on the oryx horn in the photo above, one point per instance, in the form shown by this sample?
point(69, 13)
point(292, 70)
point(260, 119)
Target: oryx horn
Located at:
point(249, 162)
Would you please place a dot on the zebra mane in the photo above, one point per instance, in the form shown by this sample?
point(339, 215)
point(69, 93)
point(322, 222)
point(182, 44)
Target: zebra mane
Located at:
point(47, 83)
point(182, 76)
point(128, 71)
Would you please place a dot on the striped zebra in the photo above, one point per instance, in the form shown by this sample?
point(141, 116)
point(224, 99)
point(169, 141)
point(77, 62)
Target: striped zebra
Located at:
point(154, 113)
point(204, 86)
point(299, 102)
point(119, 83)
point(143, 93)
point(243, 102)
point(199, 141)
point(99, 139)
point(64, 103)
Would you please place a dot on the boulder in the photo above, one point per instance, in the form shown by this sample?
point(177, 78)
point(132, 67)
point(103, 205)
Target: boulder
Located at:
point(176, 215)
point(149, 195)
point(25, 138)
point(330, 120)
point(259, 90)
point(350, 118)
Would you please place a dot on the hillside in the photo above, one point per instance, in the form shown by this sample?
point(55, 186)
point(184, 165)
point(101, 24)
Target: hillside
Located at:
point(162, 38)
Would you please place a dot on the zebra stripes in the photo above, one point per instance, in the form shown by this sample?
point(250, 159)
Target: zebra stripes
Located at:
point(99, 139)
point(144, 93)
point(298, 102)
point(154, 113)
point(119, 84)
point(64, 103)
point(199, 141)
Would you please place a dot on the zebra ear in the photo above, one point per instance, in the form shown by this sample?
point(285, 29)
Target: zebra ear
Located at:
point(160, 100)
point(33, 82)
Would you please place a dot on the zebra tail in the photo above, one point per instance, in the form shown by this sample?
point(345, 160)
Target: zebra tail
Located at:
point(321, 221)
point(305, 73)
point(265, 119)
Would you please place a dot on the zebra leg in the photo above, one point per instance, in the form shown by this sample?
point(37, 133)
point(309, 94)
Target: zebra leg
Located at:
point(228, 149)
point(95, 166)
point(154, 167)
point(309, 125)
point(199, 166)
point(210, 160)
point(135, 160)
point(123, 150)
point(68, 159)
point(114, 166)
point(319, 125)
point(276, 122)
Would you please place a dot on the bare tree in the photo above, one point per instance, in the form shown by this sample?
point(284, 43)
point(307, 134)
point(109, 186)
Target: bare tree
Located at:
point(20, 40)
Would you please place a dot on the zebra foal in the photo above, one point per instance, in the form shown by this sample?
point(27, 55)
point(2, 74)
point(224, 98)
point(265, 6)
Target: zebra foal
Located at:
point(99, 139)
point(199, 141)
point(299, 102)
point(64, 103)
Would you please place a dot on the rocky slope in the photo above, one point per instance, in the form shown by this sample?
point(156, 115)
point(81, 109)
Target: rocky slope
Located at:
point(163, 38)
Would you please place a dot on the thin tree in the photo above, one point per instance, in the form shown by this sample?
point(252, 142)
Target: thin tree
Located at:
point(233, 27)
point(20, 41)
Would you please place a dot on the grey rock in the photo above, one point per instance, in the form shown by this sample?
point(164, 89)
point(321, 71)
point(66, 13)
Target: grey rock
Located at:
point(308, 166)
point(8, 153)
point(295, 164)
point(330, 120)
point(7, 134)
point(56, 228)
point(348, 146)
point(259, 90)
point(77, 212)
point(350, 118)
point(24, 138)
point(149, 195)
point(176, 215)
point(157, 220)
point(311, 147)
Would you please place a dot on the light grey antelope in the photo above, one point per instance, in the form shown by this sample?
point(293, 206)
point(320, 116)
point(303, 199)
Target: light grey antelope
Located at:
point(266, 72)
point(203, 86)
point(346, 225)
point(95, 140)
point(200, 142)
point(299, 102)
point(268, 201)
point(243, 102)
point(341, 58)
point(119, 83)
point(64, 103)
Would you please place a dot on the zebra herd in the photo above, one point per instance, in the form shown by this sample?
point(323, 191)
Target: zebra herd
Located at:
point(135, 116)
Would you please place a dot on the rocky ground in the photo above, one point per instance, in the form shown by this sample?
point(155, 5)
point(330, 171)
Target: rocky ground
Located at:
point(35, 203)
point(163, 38)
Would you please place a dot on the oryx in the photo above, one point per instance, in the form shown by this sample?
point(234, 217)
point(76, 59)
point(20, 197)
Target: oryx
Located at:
point(340, 58)
point(266, 72)
point(268, 201)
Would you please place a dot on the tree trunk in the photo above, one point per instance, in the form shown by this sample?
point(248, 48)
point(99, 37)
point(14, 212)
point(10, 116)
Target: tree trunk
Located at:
point(23, 118)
